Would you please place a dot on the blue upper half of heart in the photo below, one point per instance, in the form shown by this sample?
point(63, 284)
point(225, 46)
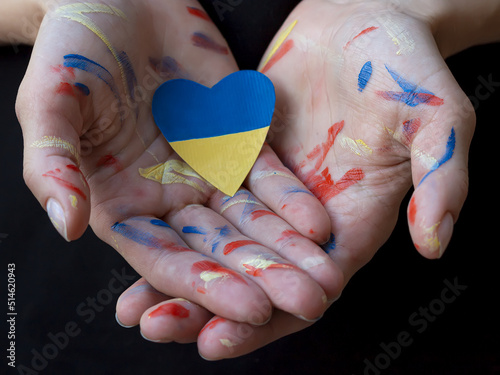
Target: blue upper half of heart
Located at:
point(243, 101)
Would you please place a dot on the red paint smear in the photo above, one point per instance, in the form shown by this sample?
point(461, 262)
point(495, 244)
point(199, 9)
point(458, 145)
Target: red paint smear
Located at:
point(76, 169)
point(282, 51)
point(201, 290)
point(172, 309)
point(64, 88)
point(324, 188)
point(72, 167)
point(203, 41)
point(230, 247)
point(173, 247)
point(212, 324)
point(198, 13)
point(284, 206)
point(286, 234)
point(258, 272)
point(410, 128)
point(206, 265)
point(412, 211)
point(66, 184)
point(259, 213)
point(320, 151)
point(419, 97)
point(109, 161)
point(365, 31)
point(64, 71)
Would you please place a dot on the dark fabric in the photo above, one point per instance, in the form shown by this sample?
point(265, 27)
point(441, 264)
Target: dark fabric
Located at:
point(56, 281)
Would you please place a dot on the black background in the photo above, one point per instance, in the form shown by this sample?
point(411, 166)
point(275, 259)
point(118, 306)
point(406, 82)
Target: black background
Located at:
point(54, 277)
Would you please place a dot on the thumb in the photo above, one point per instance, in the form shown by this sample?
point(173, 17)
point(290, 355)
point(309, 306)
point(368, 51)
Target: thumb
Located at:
point(440, 173)
point(51, 154)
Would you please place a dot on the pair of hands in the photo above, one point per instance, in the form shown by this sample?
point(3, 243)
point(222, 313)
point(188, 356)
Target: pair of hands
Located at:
point(365, 108)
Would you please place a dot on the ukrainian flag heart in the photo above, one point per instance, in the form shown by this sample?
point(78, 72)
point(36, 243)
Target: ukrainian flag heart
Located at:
point(220, 131)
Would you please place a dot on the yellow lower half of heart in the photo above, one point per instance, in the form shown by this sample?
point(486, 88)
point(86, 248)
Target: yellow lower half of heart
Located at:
point(223, 161)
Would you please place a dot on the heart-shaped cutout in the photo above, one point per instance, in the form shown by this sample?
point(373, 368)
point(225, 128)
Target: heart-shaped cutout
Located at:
point(220, 131)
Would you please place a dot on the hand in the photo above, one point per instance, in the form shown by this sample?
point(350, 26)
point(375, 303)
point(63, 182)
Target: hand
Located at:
point(366, 108)
point(93, 153)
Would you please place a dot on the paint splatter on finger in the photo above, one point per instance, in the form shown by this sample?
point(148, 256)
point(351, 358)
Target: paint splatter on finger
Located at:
point(204, 41)
point(198, 13)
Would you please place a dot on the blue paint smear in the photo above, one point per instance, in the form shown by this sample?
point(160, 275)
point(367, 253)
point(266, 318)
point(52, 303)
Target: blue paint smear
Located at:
point(160, 223)
point(169, 68)
point(194, 230)
point(330, 245)
point(83, 88)
point(405, 85)
point(223, 232)
point(364, 76)
point(296, 189)
point(450, 149)
point(136, 235)
point(130, 77)
point(87, 65)
point(410, 96)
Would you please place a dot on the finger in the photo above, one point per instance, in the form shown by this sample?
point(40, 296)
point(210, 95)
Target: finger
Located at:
point(49, 111)
point(222, 338)
point(253, 219)
point(155, 250)
point(135, 300)
point(285, 194)
point(439, 167)
point(176, 320)
point(288, 287)
point(440, 174)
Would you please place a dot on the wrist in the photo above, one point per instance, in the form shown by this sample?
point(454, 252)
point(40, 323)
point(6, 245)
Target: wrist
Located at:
point(458, 24)
point(20, 21)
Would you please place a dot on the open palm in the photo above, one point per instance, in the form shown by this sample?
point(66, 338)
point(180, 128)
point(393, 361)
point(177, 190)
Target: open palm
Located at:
point(93, 154)
point(366, 108)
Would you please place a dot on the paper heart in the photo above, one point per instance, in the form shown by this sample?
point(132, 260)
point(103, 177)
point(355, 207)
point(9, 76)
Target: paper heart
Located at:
point(220, 131)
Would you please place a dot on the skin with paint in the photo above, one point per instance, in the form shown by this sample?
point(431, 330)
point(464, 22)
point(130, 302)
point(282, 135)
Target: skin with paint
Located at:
point(394, 110)
point(360, 120)
point(93, 154)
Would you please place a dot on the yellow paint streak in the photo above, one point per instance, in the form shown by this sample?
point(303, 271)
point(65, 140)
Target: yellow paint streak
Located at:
point(55, 142)
point(172, 172)
point(265, 174)
point(262, 264)
point(208, 276)
point(74, 201)
point(399, 36)
point(76, 12)
point(238, 201)
point(227, 343)
point(281, 38)
point(424, 158)
point(431, 238)
point(357, 146)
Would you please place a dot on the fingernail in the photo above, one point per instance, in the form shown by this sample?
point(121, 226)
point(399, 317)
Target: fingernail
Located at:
point(445, 231)
point(145, 338)
point(57, 217)
point(308, 320)
point(120, 323)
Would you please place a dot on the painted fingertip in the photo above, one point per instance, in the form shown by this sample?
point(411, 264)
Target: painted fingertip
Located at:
point(445, 232)
point(57, 217)
point(121, 324)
